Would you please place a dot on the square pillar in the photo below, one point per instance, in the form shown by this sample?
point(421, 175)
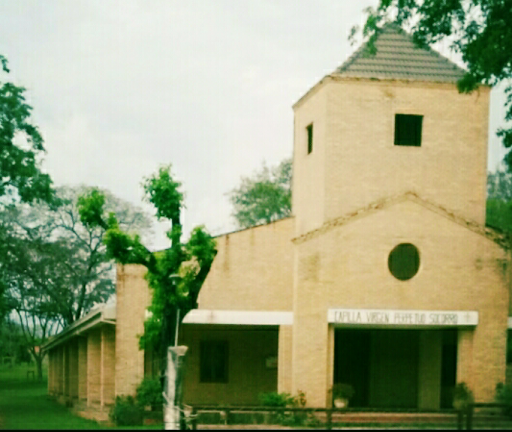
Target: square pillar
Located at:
point(73, 369)
point(465, 357)
point(82, 368)
point(284, 359)
point(65, 369)
point(108, 364)
point(94, 367)
point(50, 372)
point(429, 370)
point(59, 370)
point(311, 357)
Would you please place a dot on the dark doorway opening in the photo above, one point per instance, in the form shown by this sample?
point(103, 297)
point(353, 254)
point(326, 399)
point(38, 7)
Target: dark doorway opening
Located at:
point(352, 363)
point(381, 365)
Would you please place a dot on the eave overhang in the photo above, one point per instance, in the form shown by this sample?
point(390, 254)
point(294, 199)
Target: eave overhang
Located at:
point(102, 315)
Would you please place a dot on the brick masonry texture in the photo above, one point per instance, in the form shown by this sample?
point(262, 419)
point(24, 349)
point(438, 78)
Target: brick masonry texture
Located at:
point(133, 298)
point(252, 270)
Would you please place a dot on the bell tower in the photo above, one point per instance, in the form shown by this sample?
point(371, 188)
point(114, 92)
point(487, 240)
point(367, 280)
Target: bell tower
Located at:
point(386, 124)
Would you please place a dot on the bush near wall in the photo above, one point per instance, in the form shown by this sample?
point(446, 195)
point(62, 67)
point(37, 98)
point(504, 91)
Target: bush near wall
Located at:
point(125, 412)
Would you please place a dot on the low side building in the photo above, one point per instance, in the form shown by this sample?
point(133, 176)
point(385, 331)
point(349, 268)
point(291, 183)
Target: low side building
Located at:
point(81, 367)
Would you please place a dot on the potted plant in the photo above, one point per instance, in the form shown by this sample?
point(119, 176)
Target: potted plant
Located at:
point(341, 394)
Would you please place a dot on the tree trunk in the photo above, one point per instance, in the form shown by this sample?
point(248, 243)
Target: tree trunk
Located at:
point(173, 387)
point(39, 366)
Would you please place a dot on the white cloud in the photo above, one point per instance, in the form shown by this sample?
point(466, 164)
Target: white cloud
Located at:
point(121, 87)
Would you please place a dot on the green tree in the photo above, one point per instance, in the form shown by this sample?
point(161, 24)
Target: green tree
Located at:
point(21, 148)
point(31, 272)
point(55, 269)
point(176, 274)
point(12, 342)
point(499, 201)
point(479, 30)
point(77, 271)
point(265, 197)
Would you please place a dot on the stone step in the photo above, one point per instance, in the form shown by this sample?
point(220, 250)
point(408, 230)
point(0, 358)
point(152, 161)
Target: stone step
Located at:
point(480, 420)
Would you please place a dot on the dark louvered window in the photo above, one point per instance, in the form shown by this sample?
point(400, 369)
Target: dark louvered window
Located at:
point(408, 130)
point(309, 130)
point(214, 361)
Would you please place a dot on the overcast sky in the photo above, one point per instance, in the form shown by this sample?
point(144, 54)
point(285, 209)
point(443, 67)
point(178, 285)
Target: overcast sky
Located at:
point(122, 87)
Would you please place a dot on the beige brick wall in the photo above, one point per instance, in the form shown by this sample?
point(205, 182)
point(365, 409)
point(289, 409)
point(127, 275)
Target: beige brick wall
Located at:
point(252, 270)
point(347, 268)
point(133, 298)
point(363, 165)
point(94, 367)
point(247, 376)
point(309, 179)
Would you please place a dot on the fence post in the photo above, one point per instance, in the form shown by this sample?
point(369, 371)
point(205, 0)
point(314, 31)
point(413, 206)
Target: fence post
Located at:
point(194, 419)
point(459, 420)
point(328, 412)
point(469, 417)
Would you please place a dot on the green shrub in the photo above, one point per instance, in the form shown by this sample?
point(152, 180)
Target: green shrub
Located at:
point(504, 396)
point(462, 396)
point(125, 412)
point(149, 393)
point(285, 400)
point(274, 399)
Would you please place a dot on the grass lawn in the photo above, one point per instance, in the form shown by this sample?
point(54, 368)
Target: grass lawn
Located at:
point(24, 404)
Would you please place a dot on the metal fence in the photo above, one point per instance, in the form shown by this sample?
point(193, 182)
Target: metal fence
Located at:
point(463, 418)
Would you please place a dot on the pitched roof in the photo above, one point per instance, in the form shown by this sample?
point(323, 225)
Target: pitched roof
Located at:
point(398, 57)
point(103, 314)
point(375, 206)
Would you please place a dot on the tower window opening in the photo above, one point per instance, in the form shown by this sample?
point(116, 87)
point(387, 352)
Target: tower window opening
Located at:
point(309, 130)
point(408, 130)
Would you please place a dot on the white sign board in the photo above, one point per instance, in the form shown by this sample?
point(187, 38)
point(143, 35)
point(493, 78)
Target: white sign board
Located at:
point(403, 318)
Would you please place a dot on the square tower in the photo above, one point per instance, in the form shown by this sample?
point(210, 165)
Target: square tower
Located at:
point(386, 124)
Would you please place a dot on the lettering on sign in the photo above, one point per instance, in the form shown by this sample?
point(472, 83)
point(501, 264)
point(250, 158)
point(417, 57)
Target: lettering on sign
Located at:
point(409, 318)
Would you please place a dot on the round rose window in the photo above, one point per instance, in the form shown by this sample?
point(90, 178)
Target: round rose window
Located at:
point(404, 261)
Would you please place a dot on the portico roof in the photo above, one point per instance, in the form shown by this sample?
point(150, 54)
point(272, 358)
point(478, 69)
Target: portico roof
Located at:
point(103, 314)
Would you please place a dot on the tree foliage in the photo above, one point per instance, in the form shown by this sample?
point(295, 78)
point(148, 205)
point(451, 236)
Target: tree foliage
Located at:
point(21, 147)
point(53, 268)
point(29, 271)
point(67, 260)
point(12, 343)
point(265, 197)
point(499, 201)
point(176, 274)
point(479, 30)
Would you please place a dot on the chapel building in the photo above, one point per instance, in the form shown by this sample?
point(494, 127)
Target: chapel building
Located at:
point(385, 277)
